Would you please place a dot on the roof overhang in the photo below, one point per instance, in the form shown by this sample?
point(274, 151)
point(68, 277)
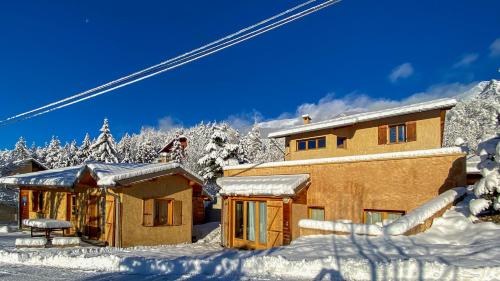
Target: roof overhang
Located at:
point(446, 103)
point(276, 185)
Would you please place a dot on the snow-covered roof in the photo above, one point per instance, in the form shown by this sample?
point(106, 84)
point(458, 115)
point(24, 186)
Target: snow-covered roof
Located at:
point(11, 167)
point(63, 177)
point(354, 158)
point(113, 178)
point(366, 116)
point(106, 174)
point(277, 185)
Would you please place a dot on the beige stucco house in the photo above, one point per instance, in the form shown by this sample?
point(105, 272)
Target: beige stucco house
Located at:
point(117, 204)
point(363, 168)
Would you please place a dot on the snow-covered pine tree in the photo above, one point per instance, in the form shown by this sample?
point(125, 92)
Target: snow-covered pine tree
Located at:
point(83, 152)
point(198, 137)
point(104, 148)
point(178, 153)
point(252, 144)
point(124, 149)
point(63, 160)
point(487, 189)
point(52, 159)
point(71, 154)
point(21, 151)
point(41, 153)
point(274, 150)
point(219, 152)
point(146, 152)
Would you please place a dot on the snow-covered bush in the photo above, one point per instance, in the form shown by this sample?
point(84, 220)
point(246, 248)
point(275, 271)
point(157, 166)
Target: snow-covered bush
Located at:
point(487, 189)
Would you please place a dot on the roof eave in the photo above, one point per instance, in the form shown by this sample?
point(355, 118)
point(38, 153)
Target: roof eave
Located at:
point(445, 104)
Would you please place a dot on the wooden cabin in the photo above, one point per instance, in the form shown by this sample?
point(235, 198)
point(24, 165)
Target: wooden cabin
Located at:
point(366, 168)
point(165, 152)
point(120, 205)
point(8, 207)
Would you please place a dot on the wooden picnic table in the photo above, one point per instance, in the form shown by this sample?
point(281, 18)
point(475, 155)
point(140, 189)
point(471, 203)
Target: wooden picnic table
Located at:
point(47, 226)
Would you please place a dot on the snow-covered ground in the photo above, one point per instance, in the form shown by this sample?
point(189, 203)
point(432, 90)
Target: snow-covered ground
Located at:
point(452, 249)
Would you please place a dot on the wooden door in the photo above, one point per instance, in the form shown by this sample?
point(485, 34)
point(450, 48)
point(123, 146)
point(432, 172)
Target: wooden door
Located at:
point(109, 231)
point(274, 223)
point(93, 229)
point(24, 200)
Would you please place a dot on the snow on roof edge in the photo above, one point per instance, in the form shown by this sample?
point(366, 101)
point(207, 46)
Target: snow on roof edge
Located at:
point(271, 185)
point(30, 179)
point(112, 180)
point(354, 158)
point(366, 116)
point(58, 177)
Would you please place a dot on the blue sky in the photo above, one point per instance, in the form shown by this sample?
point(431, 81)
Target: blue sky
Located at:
point(370, 50)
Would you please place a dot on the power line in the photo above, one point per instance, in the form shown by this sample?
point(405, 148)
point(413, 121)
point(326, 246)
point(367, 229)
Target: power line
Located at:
point(205, 50)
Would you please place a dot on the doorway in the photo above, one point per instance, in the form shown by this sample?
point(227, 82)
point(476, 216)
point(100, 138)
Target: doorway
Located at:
point(24, 197)
point(93, 222)
point(249, 224)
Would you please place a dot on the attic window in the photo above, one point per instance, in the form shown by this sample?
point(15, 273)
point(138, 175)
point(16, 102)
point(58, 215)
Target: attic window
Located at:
point(397, 133)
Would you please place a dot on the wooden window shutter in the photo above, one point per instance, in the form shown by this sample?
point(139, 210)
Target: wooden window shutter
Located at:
point(177, 213)
point(34, 197)
point(382, 134)
point(411, 131)
point(148, 212)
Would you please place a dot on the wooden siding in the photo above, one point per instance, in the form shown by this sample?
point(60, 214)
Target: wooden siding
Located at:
point(368, 138)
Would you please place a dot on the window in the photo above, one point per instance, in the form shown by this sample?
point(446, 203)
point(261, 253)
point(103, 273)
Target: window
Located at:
point(74, 209)
point(309, 144)
point(162, 214)
point(397, 133)
point(301, 145)
point(38, 204)
point(321, 142)
point(262, 222)
point(341, 142)
point(158, 212)
point(317, 213)
point(381, 216)
point(238, 222)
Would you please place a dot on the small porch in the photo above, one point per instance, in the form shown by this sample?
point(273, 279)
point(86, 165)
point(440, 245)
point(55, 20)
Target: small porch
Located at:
point(257, 211)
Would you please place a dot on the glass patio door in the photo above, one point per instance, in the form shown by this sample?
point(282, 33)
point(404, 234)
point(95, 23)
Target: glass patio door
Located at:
point(250, 223)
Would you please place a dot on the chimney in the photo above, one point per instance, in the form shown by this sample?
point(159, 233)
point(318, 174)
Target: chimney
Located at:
point(307, 119)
